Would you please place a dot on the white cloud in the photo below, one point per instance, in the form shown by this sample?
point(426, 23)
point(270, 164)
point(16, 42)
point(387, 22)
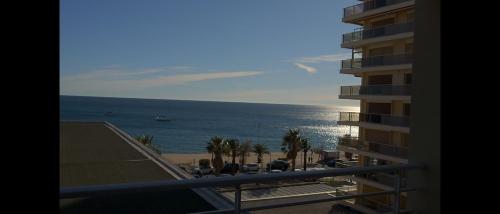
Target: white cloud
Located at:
point(324, 58)
point(186, 78)
point(309, 69)
point(300, 63)
point(120, 80)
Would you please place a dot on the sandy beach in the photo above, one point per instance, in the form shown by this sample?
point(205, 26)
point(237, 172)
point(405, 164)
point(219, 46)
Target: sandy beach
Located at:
point(192, 159)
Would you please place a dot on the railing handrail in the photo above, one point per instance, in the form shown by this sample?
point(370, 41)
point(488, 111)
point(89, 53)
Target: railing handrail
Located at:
point(383, 89)
point(368, 32)
point(363, 8)
point(360, 29)
point(385, 115)
point(166, 185)
point(378, 85)
point(388, 145)
point(405, 54)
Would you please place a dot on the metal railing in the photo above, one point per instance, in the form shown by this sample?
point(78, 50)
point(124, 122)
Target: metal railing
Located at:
point(393, 59)
point(159, 149)
point(375, 118)
point(375, 90)
point(383, 178)
point(378, 206)
point(369, 5)
point(346, 164)
point(387, 149)
point(237, 181)
point(350, 142)
point(370, 146)
point(387, 30)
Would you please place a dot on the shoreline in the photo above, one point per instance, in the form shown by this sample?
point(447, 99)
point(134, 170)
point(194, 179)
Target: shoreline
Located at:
point(191, 159)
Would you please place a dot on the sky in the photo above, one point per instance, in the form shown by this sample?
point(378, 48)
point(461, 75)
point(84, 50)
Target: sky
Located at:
point(265, 51)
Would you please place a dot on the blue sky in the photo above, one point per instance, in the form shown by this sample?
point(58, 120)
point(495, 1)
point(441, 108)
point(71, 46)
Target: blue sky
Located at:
point(271, 51)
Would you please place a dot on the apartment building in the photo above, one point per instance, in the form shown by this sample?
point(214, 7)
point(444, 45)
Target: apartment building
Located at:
point(382, 56)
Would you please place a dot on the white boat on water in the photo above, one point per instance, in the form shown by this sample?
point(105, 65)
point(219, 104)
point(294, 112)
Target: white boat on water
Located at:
point(161, 118)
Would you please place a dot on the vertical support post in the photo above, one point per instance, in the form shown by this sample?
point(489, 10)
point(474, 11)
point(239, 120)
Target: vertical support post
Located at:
point(237, 200)
point(397, 192)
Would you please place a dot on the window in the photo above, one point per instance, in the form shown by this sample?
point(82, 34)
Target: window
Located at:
point(379, 108)
point(408, 79)
point(380, 80)
point(406, 109)
point(381, 51)
point(409, 48)
point(410, 17)
point(372, 135)
point(405, 139)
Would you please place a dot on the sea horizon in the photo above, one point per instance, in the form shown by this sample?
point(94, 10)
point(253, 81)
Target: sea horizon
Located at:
point(220, 101)
point(192, 122)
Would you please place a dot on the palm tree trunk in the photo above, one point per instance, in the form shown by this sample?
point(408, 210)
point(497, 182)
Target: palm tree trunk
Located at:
point(233, 166)
point(293, 164)
point(305, 160)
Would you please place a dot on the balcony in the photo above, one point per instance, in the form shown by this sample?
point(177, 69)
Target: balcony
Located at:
point(379, 34)
point(375, 118)
point(390, 92)
point(387, 149)
point(374, 63)
point(378, 206)
point(373, 149)
point(373, 7)
point(375, 121)
point(237, 182)
point(382, 180)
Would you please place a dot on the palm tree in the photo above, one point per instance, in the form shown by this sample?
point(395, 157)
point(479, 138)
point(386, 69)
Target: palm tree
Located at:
point(232, 147)
point(306, 146)
point(145, 139)
point(216, 147)
point(245, 149)
point(260, 150)
point(291, 145)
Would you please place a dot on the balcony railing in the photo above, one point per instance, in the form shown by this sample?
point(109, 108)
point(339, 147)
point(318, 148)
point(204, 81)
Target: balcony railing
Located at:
point(387, 149)
point(346, 164)
point(382, 178)
point(369, 5)
point(370, 146)
point(350, 142)
point(375, 118)
point(237, 181)
point(404, 90)
point(378, 206)
point(395, 59)
point(377, 32)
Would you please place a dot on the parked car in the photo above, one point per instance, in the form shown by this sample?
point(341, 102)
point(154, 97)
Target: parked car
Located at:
point(278, 164)
point(250, 167)
point(276, 171)
point(229, 168)
point(200, 171)
point(331, 163)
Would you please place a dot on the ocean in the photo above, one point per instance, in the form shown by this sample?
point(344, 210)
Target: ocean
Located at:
point(193, 123)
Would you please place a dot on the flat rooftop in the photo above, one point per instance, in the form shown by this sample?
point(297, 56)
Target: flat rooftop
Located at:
point(92, 153)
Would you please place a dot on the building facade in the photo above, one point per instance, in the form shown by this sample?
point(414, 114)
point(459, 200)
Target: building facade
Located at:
point(382, 56)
